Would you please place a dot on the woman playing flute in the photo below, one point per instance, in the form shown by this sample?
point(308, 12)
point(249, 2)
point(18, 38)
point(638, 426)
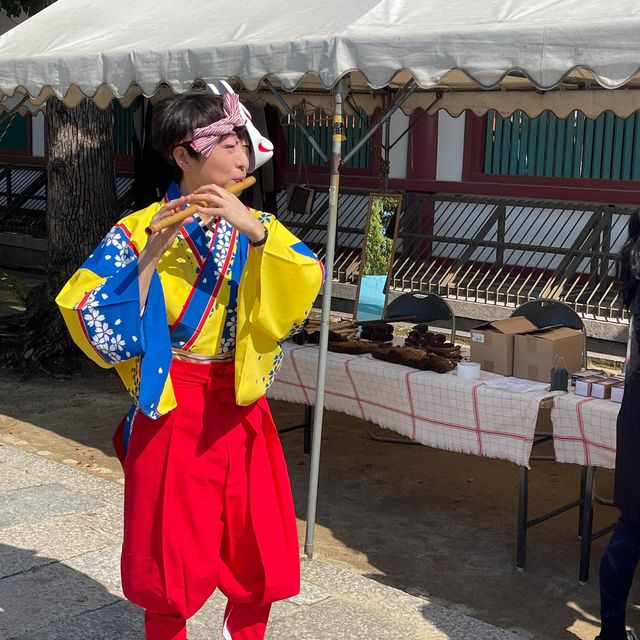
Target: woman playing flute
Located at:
point(191, 318)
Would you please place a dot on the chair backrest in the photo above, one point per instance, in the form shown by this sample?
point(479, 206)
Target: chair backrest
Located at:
point(426, 307)
point(546, 313)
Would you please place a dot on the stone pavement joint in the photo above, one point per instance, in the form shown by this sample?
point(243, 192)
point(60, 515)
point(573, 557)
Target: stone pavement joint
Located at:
point(60, 533)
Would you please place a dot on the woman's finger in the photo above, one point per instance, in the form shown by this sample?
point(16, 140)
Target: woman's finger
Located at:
point(175, 227)
point(210, 188)
point(177, 203)
point(212, 212)
point(210, 209)
point(173, 206)
point(210, 198)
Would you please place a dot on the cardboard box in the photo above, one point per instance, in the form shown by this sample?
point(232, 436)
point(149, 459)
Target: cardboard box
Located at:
point(535, 352)
point(617, 391)
point(492, 343)
point(587, 373)
point(584, 385)
point(603, 388)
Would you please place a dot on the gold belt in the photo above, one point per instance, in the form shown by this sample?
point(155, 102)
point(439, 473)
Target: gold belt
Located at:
point(201, 357)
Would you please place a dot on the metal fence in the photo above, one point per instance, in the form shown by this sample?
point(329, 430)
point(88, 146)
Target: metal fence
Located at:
point(23, 198)
point(487, 250)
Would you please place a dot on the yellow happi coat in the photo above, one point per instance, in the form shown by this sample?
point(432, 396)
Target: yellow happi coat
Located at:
point(209, 296)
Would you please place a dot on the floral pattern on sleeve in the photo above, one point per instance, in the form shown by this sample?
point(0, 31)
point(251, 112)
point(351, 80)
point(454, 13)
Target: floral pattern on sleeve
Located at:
point(111, 324)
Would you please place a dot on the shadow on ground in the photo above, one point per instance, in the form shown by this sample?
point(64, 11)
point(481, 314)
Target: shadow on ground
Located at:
point(442, 525)
point(430, 522)
point(34, 589)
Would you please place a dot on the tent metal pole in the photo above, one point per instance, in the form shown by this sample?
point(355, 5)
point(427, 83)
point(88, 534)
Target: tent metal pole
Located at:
point(301, 127)
point(386, 152)
point(413, 124)
point(403, 94)
point(332, 226)
point(9, 113)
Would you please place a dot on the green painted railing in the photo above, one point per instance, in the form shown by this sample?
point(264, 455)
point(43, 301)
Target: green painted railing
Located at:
point(606, 148)
point(122, 130)
point(299, 150)
point(13, 133)
point(319, 125)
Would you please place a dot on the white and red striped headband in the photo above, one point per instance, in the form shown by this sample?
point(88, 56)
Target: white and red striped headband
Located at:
point(204, 139)
point(261, 147)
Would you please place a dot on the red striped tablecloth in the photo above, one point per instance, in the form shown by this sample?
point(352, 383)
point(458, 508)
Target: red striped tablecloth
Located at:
point(438, 410)
point(584, 430)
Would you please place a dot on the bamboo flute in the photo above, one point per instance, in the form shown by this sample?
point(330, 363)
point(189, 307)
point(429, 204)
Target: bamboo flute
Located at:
point(183, 214)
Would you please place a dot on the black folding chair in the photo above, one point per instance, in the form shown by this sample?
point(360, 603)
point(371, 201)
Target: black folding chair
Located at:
point(547, 313)
point(420, 307)
point(424, 307)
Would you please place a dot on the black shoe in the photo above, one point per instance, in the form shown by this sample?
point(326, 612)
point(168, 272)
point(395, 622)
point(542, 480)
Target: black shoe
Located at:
point(631, 635)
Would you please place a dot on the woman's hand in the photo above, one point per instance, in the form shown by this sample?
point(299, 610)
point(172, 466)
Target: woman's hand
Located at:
point(159, 242)
point(222, 204)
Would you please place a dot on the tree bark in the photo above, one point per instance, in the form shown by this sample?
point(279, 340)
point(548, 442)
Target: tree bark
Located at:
point(81, 207)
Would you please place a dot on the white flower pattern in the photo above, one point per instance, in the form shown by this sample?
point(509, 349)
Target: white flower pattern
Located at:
point(113, 238)
point(228, 342)
point(118, 240)
point(220, 252)
point(125, 257)
point(110, 326)
point(117, 343)
point(227, 345)
point(92, 316)
point(91, 300)
point(109, 345)
point(104, 340)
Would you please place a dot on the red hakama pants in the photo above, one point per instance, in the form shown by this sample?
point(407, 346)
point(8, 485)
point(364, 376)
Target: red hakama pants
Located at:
point(207, 504)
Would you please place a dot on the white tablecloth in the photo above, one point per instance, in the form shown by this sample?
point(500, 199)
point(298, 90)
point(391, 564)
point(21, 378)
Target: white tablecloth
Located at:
point(584, 430)
point(438, 410)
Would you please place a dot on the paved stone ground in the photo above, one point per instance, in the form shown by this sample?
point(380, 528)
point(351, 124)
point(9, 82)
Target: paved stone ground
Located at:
point(434, 524)
point(59, 574)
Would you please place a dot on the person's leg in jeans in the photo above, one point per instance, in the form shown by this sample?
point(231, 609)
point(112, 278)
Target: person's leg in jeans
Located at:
point(617, 569)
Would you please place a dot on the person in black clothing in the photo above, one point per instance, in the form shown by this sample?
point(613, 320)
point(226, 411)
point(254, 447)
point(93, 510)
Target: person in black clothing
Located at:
point(621, 556)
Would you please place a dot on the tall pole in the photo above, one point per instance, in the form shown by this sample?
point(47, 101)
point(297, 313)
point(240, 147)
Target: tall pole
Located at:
point(332, 226)
point(386, 152)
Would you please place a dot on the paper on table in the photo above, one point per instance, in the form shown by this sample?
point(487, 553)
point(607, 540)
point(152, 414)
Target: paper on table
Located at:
point(517, 385)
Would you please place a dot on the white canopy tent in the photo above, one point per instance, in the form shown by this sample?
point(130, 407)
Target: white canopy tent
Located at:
point(121, 48)
point(497, 54)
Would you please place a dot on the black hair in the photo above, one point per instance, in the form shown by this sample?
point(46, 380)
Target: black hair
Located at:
point(175, 118)
point(629, 261)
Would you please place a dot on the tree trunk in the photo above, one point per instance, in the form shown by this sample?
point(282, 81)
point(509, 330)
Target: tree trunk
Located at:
point(81, 207)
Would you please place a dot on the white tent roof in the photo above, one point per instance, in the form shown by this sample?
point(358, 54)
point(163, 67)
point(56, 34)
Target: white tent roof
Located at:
point(122, 48)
